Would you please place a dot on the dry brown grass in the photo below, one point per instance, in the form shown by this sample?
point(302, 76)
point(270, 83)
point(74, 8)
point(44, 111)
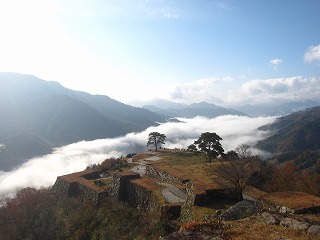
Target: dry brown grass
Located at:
point(146, 183)
point(189, 166)
point(141, 156)
point(294, 200)
point(248, 230)
point(199, 174)
point(76, 175)
point(253, 192)
point(79, 178)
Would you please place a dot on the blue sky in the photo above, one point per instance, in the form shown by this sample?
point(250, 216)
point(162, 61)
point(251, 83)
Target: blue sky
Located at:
point(220, 51)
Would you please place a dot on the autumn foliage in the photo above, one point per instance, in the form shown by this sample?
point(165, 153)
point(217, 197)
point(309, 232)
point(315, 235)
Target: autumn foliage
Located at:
point(287, 177)
point(38, 214)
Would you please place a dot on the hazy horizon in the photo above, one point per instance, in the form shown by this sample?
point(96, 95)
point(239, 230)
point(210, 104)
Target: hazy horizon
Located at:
point(224, 52)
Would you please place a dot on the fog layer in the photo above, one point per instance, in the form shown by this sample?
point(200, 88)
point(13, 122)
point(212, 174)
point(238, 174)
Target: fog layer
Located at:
point(43, 171)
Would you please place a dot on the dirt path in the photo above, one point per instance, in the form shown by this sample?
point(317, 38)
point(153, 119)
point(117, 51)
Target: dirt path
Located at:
point(141, 167)
point(171, 193)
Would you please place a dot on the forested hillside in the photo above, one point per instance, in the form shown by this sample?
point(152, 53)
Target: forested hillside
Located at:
point(296, 132)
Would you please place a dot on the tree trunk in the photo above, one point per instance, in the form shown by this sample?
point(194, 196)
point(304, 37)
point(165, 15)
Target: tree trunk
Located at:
point(239, 194)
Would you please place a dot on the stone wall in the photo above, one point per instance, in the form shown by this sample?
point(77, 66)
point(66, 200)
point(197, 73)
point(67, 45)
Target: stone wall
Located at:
point(61, 187)
point(87, 194)
point(123, 187)
point(187, 211)
point(118, 187)
point(160, 175)
point(115, 187)
point(142, 198)
point(138, 192)
point(125, 181)
point(65, 188)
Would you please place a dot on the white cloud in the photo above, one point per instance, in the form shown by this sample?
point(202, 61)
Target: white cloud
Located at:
point(128, 9)
point(275, 63)
point(2, 147)
point(168, 13)
point(224, 6)
point(312, 54)
point(42, 171)
point(276, 90)
point(257, 91)
point(206, 89)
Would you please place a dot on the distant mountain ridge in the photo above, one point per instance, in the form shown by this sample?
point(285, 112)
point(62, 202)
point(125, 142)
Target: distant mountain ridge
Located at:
point(44, 114)
point(296, 132)
point(253, 110)
point(277, 109)
point(159, 103)
point(190, 111)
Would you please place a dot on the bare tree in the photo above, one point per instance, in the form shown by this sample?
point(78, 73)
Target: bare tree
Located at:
point(243, 151)
point(235, 174)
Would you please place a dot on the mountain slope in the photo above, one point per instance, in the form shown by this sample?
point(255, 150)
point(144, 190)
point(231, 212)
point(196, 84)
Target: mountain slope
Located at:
point(296, 132)
point(52, 115)
point(21, 146)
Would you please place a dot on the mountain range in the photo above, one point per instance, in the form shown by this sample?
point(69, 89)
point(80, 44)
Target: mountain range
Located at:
point(38, 115)
point(204, 109)
point(211, 110)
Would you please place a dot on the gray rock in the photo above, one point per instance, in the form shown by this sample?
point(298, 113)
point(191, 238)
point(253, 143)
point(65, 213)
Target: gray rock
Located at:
point(295, 224)
point(315, 230)
point(239, 211)
point(284, 209)
point(267, 218)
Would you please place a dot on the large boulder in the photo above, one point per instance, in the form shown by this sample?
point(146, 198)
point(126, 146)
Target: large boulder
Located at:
point(267, 218)
point(295, 224)
point(315, 230)
point(240, 210)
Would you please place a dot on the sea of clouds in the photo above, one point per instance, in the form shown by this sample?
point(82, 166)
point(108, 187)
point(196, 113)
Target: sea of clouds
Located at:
point(43, 171)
